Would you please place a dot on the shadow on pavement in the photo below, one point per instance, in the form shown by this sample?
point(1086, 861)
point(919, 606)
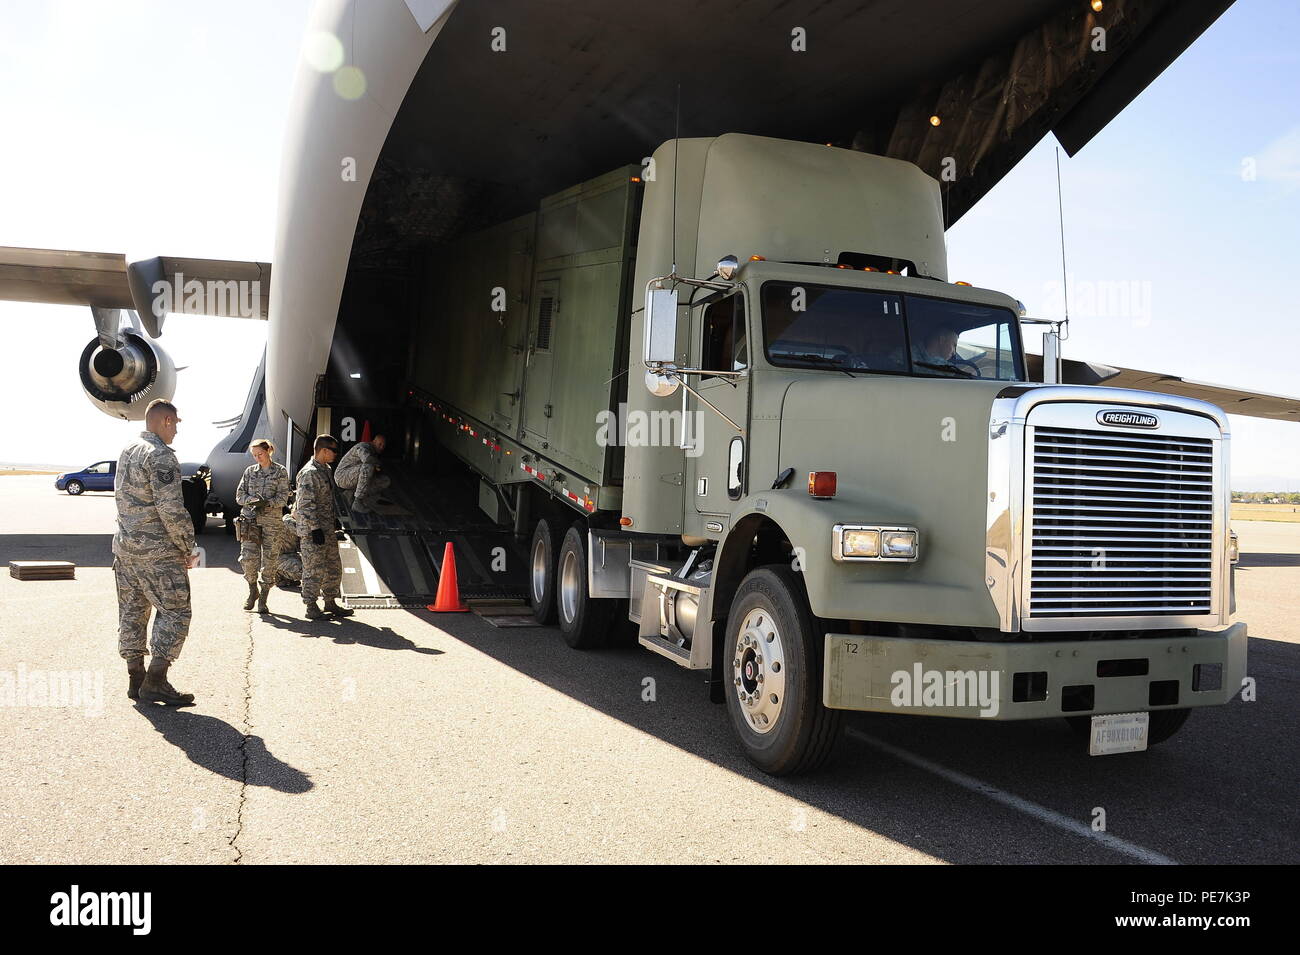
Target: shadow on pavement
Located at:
point(215, 745)
point(347, 630)
point(1233, 754)
point(84, 550)
point(96, 550)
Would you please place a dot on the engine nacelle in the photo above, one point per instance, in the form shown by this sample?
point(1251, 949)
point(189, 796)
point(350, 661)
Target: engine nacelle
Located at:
point(121, 382)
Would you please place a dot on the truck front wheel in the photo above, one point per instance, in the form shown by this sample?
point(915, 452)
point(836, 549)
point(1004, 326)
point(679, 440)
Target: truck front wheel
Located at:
point(543, 556)
point(584, 621)
point(772, 660)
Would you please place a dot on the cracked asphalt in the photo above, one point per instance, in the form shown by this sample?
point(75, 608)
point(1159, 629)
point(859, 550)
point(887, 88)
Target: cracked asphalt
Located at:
point(403, 737)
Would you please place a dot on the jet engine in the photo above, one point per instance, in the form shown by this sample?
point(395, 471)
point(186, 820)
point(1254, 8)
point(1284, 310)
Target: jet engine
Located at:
point(122, 381)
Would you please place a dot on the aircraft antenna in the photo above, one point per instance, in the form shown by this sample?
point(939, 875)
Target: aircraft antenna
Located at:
point(677, 135)
point(1060, 215)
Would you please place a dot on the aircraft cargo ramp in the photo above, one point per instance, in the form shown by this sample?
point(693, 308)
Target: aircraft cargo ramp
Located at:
point(393, 555)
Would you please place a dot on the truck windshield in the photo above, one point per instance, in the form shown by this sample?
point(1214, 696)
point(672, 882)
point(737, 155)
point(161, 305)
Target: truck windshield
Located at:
point(823, 326)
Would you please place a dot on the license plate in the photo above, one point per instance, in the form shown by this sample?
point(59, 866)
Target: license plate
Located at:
point(1118, 733)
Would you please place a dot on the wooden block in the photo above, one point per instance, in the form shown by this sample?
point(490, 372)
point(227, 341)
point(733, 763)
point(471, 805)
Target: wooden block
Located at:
point(42, 569)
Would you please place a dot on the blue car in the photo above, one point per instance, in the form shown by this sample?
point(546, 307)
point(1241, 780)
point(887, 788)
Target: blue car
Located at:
point(96, 477)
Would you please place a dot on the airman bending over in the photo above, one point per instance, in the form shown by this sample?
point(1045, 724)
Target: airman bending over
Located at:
point(359, 470)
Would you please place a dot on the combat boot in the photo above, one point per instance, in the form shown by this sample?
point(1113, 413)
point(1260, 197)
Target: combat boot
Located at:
point(134, 676)
point(332, 607)
point(314, 612)
point(261, 599)
point(252, 595)
point(156, 689)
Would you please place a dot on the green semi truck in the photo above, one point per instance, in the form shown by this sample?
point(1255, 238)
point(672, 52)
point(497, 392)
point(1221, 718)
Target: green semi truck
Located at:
point(731, 395)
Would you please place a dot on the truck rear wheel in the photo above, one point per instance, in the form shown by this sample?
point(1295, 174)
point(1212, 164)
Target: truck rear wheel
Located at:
point(1163, 724)
point(772, 675)
point(543, 559)
point(584, 621)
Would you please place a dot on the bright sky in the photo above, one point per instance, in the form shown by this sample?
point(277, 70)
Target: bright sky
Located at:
point(1158, 199)
point(154, 128)
point(150, 128)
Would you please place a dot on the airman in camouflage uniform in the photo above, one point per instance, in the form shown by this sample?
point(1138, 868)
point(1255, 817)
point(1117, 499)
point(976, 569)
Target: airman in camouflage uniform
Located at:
point(314, 519)
point(152, 553)
point(359, 470)
point(262, 494)
point(290, 566)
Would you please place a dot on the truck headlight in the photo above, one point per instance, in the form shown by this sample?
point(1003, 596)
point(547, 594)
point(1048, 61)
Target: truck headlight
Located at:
point(873, 542)
point(900, 545)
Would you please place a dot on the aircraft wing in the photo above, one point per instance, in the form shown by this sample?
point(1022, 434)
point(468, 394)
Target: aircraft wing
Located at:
point(1232, 400)
point(57, 277)
point(107, 280)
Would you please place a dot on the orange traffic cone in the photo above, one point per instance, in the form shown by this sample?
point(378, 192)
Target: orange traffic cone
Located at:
point(448, 600)
point(365, 430)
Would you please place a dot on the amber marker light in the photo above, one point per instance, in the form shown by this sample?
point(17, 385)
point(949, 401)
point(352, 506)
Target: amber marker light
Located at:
point(967, 284)
point(757, 258)
point(821, 484)
point(935, 120)
point(625, 521)
point(1096, 6)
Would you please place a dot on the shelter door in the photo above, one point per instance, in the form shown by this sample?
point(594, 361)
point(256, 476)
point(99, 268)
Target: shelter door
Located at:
point(538, 409)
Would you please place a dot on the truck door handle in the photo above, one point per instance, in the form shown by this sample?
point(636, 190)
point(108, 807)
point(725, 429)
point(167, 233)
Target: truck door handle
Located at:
point(546, 410)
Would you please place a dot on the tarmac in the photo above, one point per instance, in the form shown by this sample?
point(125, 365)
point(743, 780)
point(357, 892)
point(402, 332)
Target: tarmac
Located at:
point(401, 736)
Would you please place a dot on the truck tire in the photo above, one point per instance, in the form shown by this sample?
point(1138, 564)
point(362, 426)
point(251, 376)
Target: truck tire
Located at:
point(584, 622)
point(772, 675)
point(543, 558)
point(1163, 724)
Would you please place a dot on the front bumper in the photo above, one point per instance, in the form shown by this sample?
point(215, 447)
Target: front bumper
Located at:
point(1022, 681)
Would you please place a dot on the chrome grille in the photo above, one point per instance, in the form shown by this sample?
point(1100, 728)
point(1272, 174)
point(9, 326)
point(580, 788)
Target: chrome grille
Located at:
point(1121, 524)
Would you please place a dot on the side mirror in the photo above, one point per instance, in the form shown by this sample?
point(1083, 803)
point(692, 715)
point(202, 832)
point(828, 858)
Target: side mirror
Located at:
point(660, 326)
point(1052, 357)
point(735, 467)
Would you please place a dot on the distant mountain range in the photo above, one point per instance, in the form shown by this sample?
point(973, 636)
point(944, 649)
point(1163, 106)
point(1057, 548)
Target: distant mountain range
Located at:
point(12, 466)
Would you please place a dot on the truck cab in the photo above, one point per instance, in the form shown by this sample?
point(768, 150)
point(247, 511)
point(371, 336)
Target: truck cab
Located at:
point(832, 485)
point(882, 499)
